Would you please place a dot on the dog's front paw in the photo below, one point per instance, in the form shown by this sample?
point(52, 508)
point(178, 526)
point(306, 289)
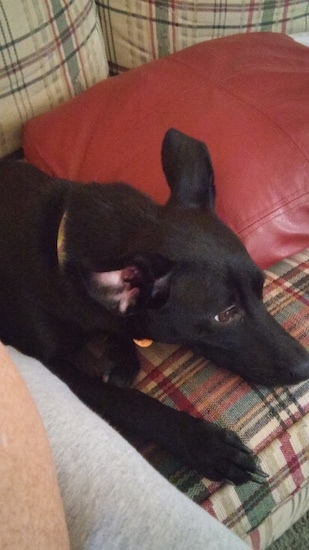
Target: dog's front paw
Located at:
point(107, 357)
point(122, 374)
point(219, 454)
point(121, 363)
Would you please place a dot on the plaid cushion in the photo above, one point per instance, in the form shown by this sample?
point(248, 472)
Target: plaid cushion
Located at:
point(273, 423)
point(50, 51)
point(137, 31)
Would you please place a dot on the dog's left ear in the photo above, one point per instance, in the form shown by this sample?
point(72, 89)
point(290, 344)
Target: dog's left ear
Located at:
point(187, 167)
point(138, 282)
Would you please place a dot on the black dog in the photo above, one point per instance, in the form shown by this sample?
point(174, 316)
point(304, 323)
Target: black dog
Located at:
point(128, 269)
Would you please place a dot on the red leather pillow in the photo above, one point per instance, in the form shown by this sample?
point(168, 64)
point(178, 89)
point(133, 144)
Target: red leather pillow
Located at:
point(246, 96)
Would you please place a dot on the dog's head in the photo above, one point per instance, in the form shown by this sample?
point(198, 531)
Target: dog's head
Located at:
point(183, 275)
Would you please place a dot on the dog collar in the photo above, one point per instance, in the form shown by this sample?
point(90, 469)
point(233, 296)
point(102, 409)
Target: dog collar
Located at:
point(60, 241)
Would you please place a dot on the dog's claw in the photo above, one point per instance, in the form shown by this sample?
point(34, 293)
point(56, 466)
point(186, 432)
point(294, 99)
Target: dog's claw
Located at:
point(247, 450)
point(260, 472)
point(229, 482)
point(258, 476)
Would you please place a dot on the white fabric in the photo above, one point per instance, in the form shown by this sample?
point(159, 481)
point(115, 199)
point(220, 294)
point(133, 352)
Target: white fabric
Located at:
point(301, 37)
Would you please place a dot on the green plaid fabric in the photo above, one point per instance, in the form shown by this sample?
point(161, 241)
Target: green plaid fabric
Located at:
point(137, 31)
point(273, 423)
point(49, 51)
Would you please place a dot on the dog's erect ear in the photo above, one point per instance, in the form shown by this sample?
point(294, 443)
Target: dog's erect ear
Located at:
point(141, 282)
point(187, 167)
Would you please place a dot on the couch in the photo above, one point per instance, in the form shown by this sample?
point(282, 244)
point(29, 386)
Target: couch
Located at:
point(255, 119)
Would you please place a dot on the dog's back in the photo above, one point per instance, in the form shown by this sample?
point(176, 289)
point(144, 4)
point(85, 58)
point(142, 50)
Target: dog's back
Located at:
point(30, 208)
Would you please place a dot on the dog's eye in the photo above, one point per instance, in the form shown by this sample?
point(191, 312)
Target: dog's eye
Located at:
point(232, 313)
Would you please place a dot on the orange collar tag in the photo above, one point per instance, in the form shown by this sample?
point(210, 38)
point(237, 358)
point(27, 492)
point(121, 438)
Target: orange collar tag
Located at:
point(145, 343)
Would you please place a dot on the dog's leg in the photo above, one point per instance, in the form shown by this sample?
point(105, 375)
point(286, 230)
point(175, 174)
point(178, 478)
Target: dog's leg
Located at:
point(214, 452)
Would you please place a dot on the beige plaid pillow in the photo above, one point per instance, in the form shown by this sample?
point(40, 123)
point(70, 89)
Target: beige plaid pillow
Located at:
point(137, 31)
point(50, 51)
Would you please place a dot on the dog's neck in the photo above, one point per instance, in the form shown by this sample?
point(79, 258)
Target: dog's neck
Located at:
point(61, 241)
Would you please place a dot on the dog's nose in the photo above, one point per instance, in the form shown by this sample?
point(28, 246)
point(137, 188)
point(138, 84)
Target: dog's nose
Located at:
point(299, 371)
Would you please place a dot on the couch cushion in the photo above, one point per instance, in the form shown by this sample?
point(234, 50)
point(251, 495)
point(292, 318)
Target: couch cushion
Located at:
point(50, 51)
point(274, 423)
point(136, 32)
point(246, 96)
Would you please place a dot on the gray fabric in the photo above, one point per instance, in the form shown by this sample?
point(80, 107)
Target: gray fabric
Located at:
point(113, 498)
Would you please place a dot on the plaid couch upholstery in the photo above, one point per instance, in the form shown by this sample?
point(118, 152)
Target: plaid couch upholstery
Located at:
point(50, 51)
point(53, 49)
point(137, 31)
point(274, 423)
point(64, 37)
